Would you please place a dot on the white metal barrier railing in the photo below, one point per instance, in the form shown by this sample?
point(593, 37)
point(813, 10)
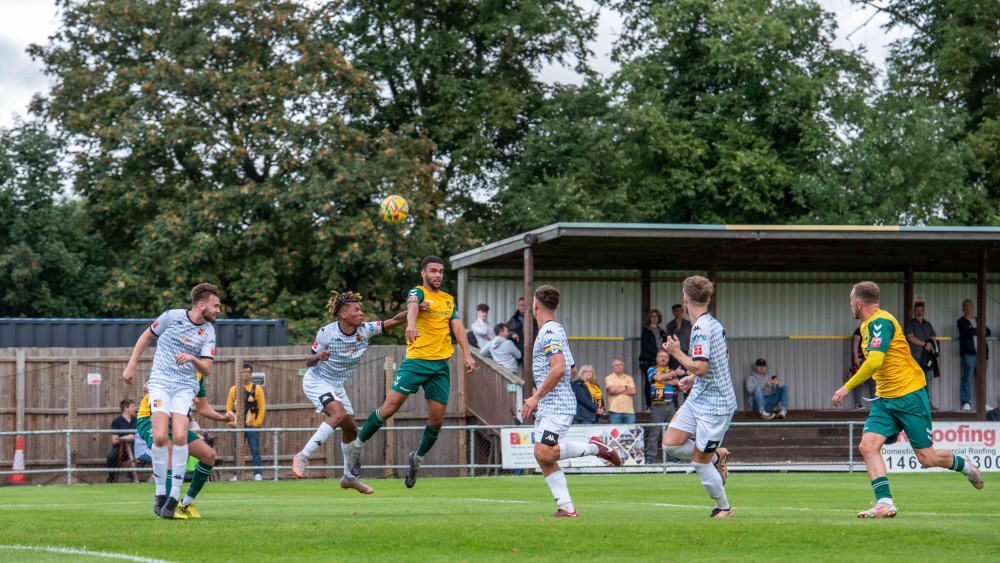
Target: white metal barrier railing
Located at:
point(849, 465)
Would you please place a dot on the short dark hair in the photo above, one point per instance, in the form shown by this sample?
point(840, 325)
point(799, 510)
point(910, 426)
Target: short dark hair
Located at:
point(519, 299)
point(247, 365)
point(760, 362)
point(483, 307)
point(547, 296)
point(428, 260)
point(500, 327)
point(202, 291)
point(662, 351)
point(126, 404)
point(867, 292)
point(676, 306)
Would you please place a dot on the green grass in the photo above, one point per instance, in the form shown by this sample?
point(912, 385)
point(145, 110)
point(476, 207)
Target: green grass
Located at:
point(779, 517)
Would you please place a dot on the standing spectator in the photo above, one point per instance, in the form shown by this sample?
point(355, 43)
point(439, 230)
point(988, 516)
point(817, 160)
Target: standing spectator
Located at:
point(967, 344)
point(253, 417)
point(920, 336)
point(662, 379)
point(122, 441)
point(482, 329)
point(589, 401)
point(651, 342)
point(765, 392)
point(501, 349)
point(858, 358)
point(516, 326)
point(679, 328)
point(620, 388)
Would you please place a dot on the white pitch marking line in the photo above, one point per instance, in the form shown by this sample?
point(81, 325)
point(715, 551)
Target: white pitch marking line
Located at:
point(84, 551)
point(797, 509)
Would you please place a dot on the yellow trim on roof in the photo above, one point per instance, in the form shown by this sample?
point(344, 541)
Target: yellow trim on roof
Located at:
point(883, 228)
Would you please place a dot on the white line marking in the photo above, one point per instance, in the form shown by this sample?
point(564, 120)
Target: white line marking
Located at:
point(797, 509)
point(84, 551)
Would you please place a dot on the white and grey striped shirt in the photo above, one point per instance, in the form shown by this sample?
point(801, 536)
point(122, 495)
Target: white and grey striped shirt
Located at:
point(552, 340)
point(345, 351)
point(713, 392)
point(176, 334)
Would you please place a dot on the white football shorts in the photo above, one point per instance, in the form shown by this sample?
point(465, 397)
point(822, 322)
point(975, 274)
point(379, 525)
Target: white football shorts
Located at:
point(170, 400)
point(321, 392)
point(708, 430)
point(550, 428)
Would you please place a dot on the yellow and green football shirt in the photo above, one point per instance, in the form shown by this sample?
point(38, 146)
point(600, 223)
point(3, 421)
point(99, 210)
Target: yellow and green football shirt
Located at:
point(144, 411)
point(899, 374)
point(434, 342)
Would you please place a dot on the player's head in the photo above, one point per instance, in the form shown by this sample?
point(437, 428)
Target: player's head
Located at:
point(205, 300)
point(655, 318)
point(547, 298)
point(864, 294)
point(587, 374)
point(432, 272)
point(662, 358)
point(346, 307)
point(247, 371)
point(127, 406)
point(501, 330)
point(697, 291)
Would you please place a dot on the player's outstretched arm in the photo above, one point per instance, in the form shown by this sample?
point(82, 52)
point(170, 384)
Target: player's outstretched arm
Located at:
point(202, 407)
point(400, 317)
point(463, 342)
point(412, 310)
point(140, 347)
point(557, 367)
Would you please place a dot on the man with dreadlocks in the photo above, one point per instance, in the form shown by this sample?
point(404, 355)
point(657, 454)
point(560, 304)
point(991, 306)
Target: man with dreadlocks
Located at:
point(335, 356)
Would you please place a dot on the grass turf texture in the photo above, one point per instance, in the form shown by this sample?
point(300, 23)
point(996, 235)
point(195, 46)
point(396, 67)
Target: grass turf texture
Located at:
point(779, 517)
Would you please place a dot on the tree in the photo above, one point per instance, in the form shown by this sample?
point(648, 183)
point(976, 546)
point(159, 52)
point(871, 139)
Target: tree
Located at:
point(228, 142)
point(50, 265)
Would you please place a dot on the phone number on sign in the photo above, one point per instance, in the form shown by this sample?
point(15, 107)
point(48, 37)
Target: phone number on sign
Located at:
point(901, 462)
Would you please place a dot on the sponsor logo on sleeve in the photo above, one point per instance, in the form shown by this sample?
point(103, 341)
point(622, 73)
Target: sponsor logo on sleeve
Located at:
point(697, 351)
point(156, 324)
point(315, 346)
point(875, 342)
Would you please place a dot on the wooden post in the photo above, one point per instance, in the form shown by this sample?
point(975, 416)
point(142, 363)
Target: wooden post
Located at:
point(647, 297)
point(463, 439)
point(71, 404)
point(529, 320)
point(981, 340)
point(908, 294)
point(20, 390)
point(240, 406)
point(390, 437)
point(713, 276)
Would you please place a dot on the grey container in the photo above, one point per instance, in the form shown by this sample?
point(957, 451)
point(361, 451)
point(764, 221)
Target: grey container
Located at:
point(113, 333)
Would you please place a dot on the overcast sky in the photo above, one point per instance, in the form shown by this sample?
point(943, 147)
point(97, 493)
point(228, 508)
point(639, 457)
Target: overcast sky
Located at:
point(23, 22)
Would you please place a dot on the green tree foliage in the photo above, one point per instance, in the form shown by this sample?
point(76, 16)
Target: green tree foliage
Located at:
point(461, 74)
point(227, 142)
point(50, 266)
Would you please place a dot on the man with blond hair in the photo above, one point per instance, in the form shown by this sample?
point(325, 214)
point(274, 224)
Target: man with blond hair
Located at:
point(698, 428)
point(900, 404)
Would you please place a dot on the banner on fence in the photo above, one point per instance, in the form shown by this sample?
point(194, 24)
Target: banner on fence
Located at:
point(518, 447)
point(975, 440)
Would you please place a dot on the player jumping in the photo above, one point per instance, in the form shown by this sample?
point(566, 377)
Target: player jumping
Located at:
point(556, 402)
point(901, 402)
point(336, 354)
point(427, 364)
point(709, 408)
point(186, 348)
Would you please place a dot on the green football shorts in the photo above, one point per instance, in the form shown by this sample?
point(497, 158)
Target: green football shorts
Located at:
point(910, 413)
point(433, 375)
point(144, 428)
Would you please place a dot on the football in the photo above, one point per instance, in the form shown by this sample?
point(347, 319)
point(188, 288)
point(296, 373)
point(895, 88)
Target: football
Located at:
point(394, 209)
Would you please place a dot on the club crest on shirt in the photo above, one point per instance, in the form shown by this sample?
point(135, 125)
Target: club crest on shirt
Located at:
point(201, 332)
point(156, 403)
point(359, 338)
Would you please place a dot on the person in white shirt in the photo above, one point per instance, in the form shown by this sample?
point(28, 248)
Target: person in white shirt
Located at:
point(481, 328)
point(502, 349)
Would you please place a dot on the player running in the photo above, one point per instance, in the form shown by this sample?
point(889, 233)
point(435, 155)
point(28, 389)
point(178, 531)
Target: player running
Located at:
point(197, 448)
point(709, 409)
point(427, 364)
point(901, 402)
point(556, 402)
point(186, 348)
point(336, 354)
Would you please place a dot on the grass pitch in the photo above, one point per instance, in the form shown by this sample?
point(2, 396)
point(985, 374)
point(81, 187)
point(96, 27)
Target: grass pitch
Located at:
point(779, 517)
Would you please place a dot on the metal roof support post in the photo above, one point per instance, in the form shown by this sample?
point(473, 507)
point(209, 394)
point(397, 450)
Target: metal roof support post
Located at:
point(529, 325)
point(981, 333)
point(908, 294)
point(646, 296)
point(713, 276)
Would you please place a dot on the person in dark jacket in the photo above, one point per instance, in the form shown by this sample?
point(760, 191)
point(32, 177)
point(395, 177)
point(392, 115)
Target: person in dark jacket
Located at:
point(967, 343)
point(589, 401)
point(516, 326)
point(650, 343)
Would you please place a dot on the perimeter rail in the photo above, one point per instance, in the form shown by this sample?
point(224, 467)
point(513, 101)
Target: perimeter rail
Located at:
point(849, 465)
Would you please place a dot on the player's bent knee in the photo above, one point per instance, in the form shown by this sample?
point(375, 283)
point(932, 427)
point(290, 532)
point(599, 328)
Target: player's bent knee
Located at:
point(546, 454)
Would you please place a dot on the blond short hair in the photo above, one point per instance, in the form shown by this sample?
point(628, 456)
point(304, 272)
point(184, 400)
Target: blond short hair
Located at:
point(698, 289)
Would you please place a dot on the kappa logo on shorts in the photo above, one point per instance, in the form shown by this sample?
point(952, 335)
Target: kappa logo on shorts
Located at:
point(712, 446)
point(327, 398)
point(550, 438)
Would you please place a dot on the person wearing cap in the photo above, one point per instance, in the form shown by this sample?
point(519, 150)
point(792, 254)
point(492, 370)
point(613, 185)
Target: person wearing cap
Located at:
point(920, 336)
point(765, 392)
point(680, 328)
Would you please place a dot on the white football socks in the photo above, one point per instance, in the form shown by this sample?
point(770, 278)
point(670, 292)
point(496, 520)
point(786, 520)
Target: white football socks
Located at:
point(712, 481)
point(161, 457)
point(568, 449)
point(345, 448)
point(177, 466)
point(560, 491)
point(683, 451)
point(322, 433)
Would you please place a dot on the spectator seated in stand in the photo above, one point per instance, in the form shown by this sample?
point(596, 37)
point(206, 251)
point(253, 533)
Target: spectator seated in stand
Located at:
point(502, 349)
point(765, 393)
point(589, 401)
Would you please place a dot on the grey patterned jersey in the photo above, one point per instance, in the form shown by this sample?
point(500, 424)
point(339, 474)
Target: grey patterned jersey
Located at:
point(176, 334)
point(345, 351)
point(713, 392)
point(551, 341)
